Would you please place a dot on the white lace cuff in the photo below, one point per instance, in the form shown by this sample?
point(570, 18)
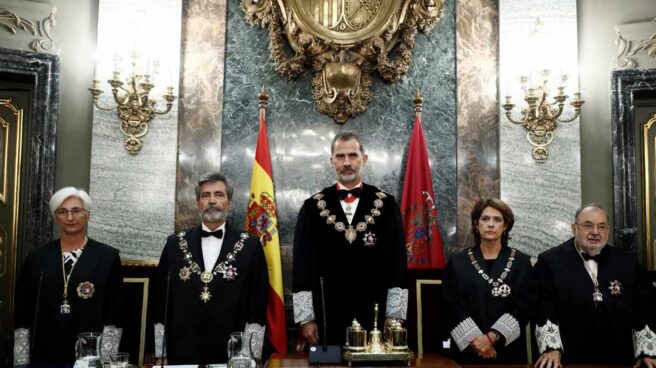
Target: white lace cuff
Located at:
point(397, 303)
point(508, 326)
point(160, 346)
point(548, 337)
point(255, 333)
point(303, 307)
point(21, 346)
point(111, 339)
point(644, 342)
point(463, 331)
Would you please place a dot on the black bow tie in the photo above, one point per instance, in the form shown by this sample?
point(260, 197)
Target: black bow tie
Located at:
point(343, 193)
point(588, 257)
point(217, 234)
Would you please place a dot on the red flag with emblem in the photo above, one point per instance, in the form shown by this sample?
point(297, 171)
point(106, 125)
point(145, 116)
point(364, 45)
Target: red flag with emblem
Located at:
point(423, 240)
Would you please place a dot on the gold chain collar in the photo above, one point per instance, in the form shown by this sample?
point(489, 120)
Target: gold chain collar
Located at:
point(350, 233)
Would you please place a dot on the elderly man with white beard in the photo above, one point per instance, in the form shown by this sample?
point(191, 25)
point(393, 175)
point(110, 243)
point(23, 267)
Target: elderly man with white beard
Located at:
point(212, 280)
point(595, 305)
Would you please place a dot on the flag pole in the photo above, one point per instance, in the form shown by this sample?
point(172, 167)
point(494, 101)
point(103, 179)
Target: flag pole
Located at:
point(419, 102)
point(263, 97)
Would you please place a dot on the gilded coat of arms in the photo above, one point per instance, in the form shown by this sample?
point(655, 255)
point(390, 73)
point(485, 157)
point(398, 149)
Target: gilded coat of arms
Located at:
point(344, 42)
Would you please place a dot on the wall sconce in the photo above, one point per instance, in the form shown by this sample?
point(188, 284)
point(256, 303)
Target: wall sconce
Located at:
point(133, 105)
point(541, 117)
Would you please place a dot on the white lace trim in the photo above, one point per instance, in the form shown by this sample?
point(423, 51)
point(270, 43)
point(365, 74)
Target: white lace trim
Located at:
point(21, 346)
point(463, 331)
point(508, 326)
point(397, 303)
point(160, 347)
point(111, 339)
point(548, 337)
point(303, 307)
point(644, 342)
point(255, 333)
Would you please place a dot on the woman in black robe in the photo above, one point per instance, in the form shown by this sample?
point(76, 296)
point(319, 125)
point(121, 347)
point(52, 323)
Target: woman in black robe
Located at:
point(489, 291)
point(68, 286)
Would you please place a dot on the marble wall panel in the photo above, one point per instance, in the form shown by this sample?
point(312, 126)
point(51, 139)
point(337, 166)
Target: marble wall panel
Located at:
point(299, 136)
point(42, 72)
point(627, 210)
point(543, 196)
point(478, 113)
point(134, 196)
point(201, 101)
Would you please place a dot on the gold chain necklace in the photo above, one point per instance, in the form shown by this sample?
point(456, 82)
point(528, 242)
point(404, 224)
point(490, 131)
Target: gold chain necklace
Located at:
point(499, 287)
point(65, 307)
point(597, 297)
point(225, 268)
point(350, 233)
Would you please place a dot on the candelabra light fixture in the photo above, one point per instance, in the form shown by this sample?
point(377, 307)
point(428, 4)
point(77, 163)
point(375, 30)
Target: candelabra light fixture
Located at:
point(134, 106)
point(540, 116)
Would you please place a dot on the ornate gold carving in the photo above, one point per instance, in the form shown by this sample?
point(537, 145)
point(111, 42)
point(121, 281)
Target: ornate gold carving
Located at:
point(12, 22)
point(344, 41)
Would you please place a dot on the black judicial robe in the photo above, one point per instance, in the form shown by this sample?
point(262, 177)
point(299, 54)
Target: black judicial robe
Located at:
point(355, 276)
point(56, 334)
point(594, 334)
point(197, 332)
point(468, 295)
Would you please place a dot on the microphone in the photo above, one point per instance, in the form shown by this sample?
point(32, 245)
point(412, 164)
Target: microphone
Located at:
point(325, 353)
point(166, 316)
point(36, 313)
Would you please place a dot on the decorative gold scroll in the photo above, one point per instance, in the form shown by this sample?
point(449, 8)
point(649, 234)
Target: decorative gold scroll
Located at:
point(345, 42)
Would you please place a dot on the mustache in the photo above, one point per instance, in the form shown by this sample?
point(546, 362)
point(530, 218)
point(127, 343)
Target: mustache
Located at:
point(213, 207)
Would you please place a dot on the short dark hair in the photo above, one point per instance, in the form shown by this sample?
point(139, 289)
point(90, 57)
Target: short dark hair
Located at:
point(211, 177)
point(346, 136)
point(499, 205)
point(593, 205)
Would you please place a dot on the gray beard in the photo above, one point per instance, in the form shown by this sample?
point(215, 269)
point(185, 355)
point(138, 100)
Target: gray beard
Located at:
point(214, 216)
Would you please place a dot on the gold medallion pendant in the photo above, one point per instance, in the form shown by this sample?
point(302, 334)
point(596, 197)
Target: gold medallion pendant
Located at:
point(206, 277)
point(205, 295)
point(351, 234)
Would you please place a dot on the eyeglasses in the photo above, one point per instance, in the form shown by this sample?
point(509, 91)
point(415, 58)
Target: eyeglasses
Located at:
point(588, 226)
point(77, 212)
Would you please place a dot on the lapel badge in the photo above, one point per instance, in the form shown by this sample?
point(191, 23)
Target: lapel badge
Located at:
point(369, 239)
point(85, 290)
point(185, 274)
point(615, 288)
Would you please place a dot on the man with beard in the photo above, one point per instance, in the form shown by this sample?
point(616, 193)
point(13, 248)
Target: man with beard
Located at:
point(212, 280)
point(351, 236)
point(596, 305)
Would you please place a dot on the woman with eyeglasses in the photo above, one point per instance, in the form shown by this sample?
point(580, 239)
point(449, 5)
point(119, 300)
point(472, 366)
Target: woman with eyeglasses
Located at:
point(488, 291)
point(66, 287)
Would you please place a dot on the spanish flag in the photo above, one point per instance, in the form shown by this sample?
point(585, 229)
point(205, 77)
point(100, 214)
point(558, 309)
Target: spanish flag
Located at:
point(261, 221)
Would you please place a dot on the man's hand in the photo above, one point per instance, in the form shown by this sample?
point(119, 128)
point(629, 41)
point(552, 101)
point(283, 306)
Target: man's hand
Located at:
point(481, 345)
point(549, 359)
point(307, 333)
point(646, 361)
point(158, 362)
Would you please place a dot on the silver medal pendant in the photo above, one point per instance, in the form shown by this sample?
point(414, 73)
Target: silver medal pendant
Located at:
point(65, 308)
point(504, 291)
point(597, 297)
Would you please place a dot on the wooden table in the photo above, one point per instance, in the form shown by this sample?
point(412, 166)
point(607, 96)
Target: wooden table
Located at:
point(299, 360)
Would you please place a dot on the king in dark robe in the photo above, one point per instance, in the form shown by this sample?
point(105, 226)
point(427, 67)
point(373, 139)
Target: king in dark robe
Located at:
point(351, 236)
point(212, 280)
